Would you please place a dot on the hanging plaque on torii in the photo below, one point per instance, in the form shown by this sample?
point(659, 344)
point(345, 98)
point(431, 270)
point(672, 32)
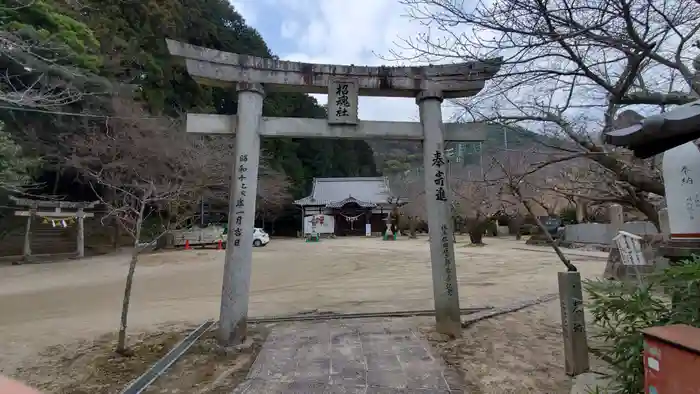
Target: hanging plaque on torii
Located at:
point(343, 101)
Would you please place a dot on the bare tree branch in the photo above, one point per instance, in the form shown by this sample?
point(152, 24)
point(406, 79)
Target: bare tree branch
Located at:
point(39, 71)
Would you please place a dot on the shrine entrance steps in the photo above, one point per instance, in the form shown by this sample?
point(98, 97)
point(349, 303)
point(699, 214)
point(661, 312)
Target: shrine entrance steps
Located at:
point(352, 356)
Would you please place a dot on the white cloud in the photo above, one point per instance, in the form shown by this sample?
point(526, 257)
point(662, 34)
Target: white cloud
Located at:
point(247, 10)
point(348, 32)
point(289, 29)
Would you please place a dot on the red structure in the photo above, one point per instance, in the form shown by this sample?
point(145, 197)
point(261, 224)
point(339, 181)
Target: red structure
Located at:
point(672, 360)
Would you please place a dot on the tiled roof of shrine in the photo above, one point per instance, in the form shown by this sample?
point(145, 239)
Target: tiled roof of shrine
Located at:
point(336, 192)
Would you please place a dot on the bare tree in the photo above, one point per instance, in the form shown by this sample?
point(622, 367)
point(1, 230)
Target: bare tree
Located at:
point(570, 67)
point(216, 153)
point(477, 200)
point(589, 185)
point(408, 201)
point(615, 46)
point(540, 170)
point(273, 194)
point(15, 166)
point(140, 167)
point(16, 169)
point(514, 183)
point(41, 72)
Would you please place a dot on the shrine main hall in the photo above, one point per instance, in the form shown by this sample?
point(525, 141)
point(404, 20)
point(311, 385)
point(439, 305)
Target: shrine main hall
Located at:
point(347, 206)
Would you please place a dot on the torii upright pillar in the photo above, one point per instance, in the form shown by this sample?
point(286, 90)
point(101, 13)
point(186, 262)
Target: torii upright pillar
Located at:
point(239, 244)
point(344, 84)
point(442, 254)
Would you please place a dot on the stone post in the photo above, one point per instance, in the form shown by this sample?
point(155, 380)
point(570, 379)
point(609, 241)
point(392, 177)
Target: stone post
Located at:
point(573, 323)
point(617, 219)
point(664, 224)
point(368, 222)
point(581, 209)
point(445, 287)
point(27, 249)
point(239, 246)
point(81, 232)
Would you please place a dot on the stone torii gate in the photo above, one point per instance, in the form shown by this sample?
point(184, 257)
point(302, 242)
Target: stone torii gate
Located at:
point(429, 85)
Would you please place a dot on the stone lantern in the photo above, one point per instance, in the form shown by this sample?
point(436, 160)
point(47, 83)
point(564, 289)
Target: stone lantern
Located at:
point(672, 133)
point(681, 170)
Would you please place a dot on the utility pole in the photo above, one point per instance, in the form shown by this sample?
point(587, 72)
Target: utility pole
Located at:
point(481, 160)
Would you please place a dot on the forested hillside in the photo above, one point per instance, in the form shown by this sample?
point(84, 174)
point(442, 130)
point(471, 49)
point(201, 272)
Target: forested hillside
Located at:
point(399, 156)
point(93, 50)
point(79, 74)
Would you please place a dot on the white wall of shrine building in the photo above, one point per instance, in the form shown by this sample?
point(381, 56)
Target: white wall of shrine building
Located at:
point(349, 205)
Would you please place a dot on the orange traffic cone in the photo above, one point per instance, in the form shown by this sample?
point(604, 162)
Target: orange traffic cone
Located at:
point(187, 245)
point(220, 246)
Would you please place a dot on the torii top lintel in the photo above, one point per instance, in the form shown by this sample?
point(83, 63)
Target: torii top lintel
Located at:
point(218, 68)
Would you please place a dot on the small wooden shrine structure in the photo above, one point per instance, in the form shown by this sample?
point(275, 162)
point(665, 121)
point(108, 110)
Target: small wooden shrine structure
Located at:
point(58, 213)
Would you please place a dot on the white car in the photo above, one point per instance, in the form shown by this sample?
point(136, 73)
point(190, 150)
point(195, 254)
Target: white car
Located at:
point(260, 237)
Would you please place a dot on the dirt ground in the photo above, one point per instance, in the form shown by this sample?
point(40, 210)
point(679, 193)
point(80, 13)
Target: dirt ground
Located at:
point(517, 353)
point(64, 303)
point(90, 367)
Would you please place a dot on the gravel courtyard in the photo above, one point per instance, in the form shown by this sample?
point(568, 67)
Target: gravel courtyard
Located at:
point(49, 304)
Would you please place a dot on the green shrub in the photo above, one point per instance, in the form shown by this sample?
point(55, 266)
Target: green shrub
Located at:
point(621, 310)
point(568, 215)
point(492, 228)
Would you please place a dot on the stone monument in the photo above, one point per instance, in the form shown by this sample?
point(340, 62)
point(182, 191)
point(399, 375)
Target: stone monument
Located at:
point(681, 170)
point(672, 133)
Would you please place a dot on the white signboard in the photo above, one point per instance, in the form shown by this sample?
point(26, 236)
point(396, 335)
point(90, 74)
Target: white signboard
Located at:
point(342, 101)
point(368, 230)
point(324, 226)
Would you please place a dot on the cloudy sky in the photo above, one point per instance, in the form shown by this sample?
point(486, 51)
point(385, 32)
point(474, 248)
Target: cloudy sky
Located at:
point(341, 32)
